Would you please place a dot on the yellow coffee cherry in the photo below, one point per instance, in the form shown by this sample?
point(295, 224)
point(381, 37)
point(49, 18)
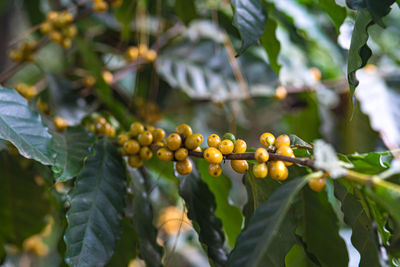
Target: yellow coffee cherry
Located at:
point(184, 130)
point(151, 55)
point(135, 161)
point(66, 43)
point(213, 155)
point(165, 154)
point(123, 138)
point(317, 184)
point(285, 151)
point(145, 153)
point(174, 141)
point(193, 141)
point(267, 139)
point(282, 140)
point(100, 120)
point(132, 53)
point(184, 167)
point(150, 128)
point(52, 15)
point(277, 170)
point(160, 144)
point(16, 55)
point(181, 154)
point(60, 124)
point(145, 138)
point(100, 6)
point(100, 128)
point(109, 130)
point(143, 49)
point(240, 166)
point(213, 140)
point(261, 155)
point(240, 146)
point(70, 31)
point(226, 146)
point(198, 149)
point(46, 27)
point(116, 3)
point(131, 147)
point(56, 37)
point(260, 170)
point(280, 92)
point(215, 170)
point(89, 81)
point(108, 77)
point(136, 129)
point(158, 135)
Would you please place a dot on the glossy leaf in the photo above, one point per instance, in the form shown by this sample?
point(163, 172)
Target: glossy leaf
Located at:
point(72, 147)
point(336, 13)
point(270, 233)
point(369, 163)
point(271, 44)
point(298, 142)
point(201, 206)
point(23, 127)
point(388, 199)
point(97, 204)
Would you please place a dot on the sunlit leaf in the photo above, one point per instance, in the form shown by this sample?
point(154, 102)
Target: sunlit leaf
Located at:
point(335, 12)
point(371, 163)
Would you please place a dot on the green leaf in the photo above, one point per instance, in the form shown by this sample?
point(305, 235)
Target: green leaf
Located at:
point(23, 127)
point(359, 52)
point(185, 10)
point(334, 11)
point(298, 142)
point(296, 257)
point(270, 233)
point(388, 199)
point(201, 206)
point(369, 163)
point(73, 146)
point(320, 224)
point(271, 44)
point(377, 8)
point(249, 18)
point(97, 204)
point(362, 237)
point(230, 215)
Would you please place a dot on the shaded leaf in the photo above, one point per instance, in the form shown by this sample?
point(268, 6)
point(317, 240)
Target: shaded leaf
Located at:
point(23, 127)
point(186, 10)
point(270, 233)
point(296, 257)
point(336, 13)
point(377, 8)
point(388, 199)
point(97, 203)
point(271, 44)
point(297, 141)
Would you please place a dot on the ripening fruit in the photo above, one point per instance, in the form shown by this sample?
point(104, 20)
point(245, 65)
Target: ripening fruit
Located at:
point(131, 147)
point(280, 92)
point(136, 129)
point(165, 154)
point(240, 166)
point(285, 151)
point(260, 170)
point(181, 154)
point(282, 140)
point(277, 170)
point(145, 153)
point(240, 146)
point(108, 77)
point(184, 130)
point(215, 170)
point(100, 120)
point(213, 140)
point(70, 31)
point(116, 3)
point(267, 139)
point(261, 155)
point(174, 141)
point(100, 6)
point(55, 37)
point(143, 49)
point(132, 53)
point(213, 155)
point(135, 161)
point(151, 55)
point(145, 138)
point(158, 135)
point(60, 124)
point(149, 128)
point(226, 146)
point(184, 167)
point(193, 141)
point(198, 149)
point(89, 81)
point(109, 130)
point(46, 27)
point(317, 184)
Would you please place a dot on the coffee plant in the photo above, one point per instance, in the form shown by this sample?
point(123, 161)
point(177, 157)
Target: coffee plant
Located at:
point(199, 133)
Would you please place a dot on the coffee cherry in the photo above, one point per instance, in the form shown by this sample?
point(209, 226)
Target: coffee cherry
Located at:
point(240, 166)
point(70, 31)
point(165, 154)
point(55, 37)
point(267, 139)
point(282, 140)
point(89, 81)
point(198, 149)
point(60, 124)
point(145, 153)
point(151, 55)
point(285, 151)
point(136, 129)
point(158, 135)
point(230, 136)
point(131, 147)
point(181, 154)
point(193, 141)
point(317, 184)
point(260, 170)
point(277, 170)
point(122, 138)
point(145, 138)
point(100, 120)
point(160, 144)
point(108, 77)
point(215, 170)
point(174, 141)
point(135, 161)
point(116, 3)
point(46, 27)
point(240, 146)
point(132, 53)
point(142, 49)
point(261, 155)
point(184, 130)
point(213, 140)
point(184, 167)
point(150, 128)
point(109, 130)
point(100, 6)
point(213, 155)
point(226, 146)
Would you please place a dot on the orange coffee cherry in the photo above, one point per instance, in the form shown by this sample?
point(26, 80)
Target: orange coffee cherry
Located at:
point(282, 140)
point(213, 155)
point(261, 155)
point(317, 184)
point(267, 139)
point(181, 154)
point(184, 167)
point(277, 170)
point(215, 170)
point(285, 151)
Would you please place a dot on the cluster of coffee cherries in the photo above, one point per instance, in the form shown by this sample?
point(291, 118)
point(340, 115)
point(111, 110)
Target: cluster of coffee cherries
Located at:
point(27, 91)
point(101, 126)
point(136, 144)
point(101, 6)
point(142, 51)
point(25, 52)
point(60, 124)
point(59, 28)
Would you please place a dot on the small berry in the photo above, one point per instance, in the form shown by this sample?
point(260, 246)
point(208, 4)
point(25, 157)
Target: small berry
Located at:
point(165, 154)
point(100, 6)
point(282, 140)
point(184, 130)
point(174, 141)
point(213, 140)
point(142, 49)
point(100, 120)
point(215, 170)
point(89, 81)
point(240, 146)
point(135, 161)
point(136, 129)
point(158, 135)
point(123, 138)
point(267, 139)
point(277, 170)
point(261, 155)
point(60, 124)
point(108, 77)
point(131, 147)
point(46, 27)
point(56, 37)
point(285, 151)
point(109, 130)
point(240, 166)
point(229, 136)
point(160, 144)
point(70, 31)
point(213, 155)
point(66, 43)
point(181, 154)
point(145, 153)
point(151, 55)
point(149, 128)
point(260, 170)
point(132, 53)
point(116, 3)
point(184, 167)
point(193, 141)
point(280, 92)
point(145, 138)
point(317, 184)
point(226, 146)
point(198, 149)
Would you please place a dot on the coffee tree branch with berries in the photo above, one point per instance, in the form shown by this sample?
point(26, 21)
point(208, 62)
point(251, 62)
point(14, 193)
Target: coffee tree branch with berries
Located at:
point(199, 133)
